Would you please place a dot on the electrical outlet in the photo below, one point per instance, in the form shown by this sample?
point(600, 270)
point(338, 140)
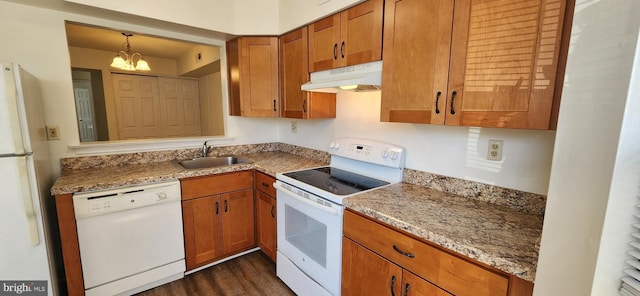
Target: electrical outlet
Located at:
point(495, 150)
point(294, 127)
point(53, 132)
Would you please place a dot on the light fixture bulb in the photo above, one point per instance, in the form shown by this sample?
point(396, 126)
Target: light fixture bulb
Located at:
point(118, 62)
point(348, 87)
point(142, 65)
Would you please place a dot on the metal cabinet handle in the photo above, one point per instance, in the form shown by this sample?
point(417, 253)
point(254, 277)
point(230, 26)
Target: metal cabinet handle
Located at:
point(406, 289)
point(410, 255)
point(272, 215)
point(274, 105)
point(265, 184)
point(217, 208)
point(304, 105)
point(437, 102)
point(226, 206)
point(335, 51)
point(453, 97)
point(342, 50)
point(393, 283)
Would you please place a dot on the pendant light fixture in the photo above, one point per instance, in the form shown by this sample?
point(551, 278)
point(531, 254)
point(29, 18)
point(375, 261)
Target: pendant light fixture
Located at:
point(124, 59)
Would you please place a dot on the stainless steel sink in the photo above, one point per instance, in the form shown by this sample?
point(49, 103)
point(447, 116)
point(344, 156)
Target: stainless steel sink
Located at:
point(210, 162)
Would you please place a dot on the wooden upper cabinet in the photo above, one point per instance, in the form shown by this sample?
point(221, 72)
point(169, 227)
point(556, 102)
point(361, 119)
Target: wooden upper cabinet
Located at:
point(417, 38)
point(501, 70)
point(351, 37)
point(294, 71)
point(253, 76)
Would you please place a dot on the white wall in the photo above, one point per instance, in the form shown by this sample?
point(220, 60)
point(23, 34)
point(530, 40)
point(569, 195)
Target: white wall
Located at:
point(603, 45)
point(447, 150)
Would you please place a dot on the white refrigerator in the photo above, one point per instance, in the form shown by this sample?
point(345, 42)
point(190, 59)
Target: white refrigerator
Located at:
point(26, 256)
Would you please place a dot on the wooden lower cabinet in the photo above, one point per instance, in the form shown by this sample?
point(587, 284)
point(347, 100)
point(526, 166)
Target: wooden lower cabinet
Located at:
point(217, 224)
point(371, 262)
point(266, 214)
point(367, 273)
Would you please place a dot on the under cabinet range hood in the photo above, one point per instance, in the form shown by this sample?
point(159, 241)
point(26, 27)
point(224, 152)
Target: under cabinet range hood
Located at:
point(363, 77)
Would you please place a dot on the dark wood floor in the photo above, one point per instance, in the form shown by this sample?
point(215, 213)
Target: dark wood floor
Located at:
point(251, 274)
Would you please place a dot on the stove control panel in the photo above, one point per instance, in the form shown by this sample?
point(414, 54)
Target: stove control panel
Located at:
point(376, 152)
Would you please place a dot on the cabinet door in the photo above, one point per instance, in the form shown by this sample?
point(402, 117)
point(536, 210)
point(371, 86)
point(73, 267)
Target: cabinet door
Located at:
point(202, 230)
point(412, 285)
point(351, 37)
point(504, 62)
point(294, 71)
point(417, 36)
point(238, 222)
point(361, 32)
point(324, 36)
point(253, 76)
point(366, 273)
point(266, 223)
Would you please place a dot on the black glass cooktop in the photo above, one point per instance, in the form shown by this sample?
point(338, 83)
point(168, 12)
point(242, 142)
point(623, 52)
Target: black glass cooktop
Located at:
point(336, 181)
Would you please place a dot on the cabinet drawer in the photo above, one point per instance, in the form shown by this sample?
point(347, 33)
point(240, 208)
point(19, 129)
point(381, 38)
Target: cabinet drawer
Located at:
point(216, 184)
point(450, 272)
point(264, 183)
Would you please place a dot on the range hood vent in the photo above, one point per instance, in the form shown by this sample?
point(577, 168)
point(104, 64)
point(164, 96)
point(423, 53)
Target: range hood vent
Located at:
point(363, 77)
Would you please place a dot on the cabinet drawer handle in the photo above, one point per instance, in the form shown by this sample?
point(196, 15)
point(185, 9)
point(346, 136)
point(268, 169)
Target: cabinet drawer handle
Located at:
point(274, 106)
point(410, 255)
point(335, 51)
point(393, 283)
point(217, 208)
point(453, 97)
point(226, 206)
point(437, 102)
point(342, 50)
point(272, 215)
point(406, 289)
point(304, 106)
point(265, 184)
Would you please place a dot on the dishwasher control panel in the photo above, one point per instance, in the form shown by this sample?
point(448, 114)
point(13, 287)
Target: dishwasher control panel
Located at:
point(103, 202)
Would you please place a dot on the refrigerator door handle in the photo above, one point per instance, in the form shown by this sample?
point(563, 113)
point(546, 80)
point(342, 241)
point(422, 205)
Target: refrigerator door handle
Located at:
point(27, 201)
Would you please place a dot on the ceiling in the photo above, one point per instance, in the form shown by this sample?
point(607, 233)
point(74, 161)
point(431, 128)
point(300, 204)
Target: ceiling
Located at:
point(109, 40)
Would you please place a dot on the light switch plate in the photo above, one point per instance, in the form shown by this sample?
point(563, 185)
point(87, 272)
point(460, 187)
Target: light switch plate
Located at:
point(53, 132)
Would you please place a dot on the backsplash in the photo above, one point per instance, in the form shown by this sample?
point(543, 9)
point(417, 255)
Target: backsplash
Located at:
point(112, 160)
point(519, 200)
point(515, 199)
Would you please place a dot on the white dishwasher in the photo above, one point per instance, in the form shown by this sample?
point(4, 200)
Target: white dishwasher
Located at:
point(130, 238)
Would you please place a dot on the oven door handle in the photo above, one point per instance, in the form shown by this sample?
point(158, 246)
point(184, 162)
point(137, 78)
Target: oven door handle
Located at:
point(331, 211)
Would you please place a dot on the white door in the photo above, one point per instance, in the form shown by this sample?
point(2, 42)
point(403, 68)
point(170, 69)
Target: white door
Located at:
point(137, 106)
point(84, 109)
point(180, 107)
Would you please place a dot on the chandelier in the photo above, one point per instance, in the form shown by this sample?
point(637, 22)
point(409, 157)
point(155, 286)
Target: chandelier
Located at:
point(124, 59)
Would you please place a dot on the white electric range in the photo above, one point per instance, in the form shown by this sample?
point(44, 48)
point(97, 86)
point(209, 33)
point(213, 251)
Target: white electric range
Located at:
point(310, 209)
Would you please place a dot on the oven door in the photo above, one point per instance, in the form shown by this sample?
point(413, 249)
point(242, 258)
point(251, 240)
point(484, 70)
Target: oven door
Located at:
point(310, 235)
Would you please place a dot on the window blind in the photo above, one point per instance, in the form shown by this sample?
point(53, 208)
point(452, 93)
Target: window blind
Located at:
point(631, 282)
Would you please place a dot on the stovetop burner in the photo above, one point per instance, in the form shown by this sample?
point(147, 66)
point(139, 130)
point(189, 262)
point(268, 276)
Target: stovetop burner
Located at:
point(336, 181)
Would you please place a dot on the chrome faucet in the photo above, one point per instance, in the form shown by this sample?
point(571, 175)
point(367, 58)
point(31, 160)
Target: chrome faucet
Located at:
point(205, 149)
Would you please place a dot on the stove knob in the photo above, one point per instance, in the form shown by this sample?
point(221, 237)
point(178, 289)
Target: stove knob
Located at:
point(337, 145)
point(385, 154)
point(332, 145)
point(394, 155)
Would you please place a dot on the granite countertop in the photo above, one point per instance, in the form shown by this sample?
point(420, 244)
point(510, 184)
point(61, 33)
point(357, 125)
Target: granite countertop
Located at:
point(93, 179)
point(498, 236)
